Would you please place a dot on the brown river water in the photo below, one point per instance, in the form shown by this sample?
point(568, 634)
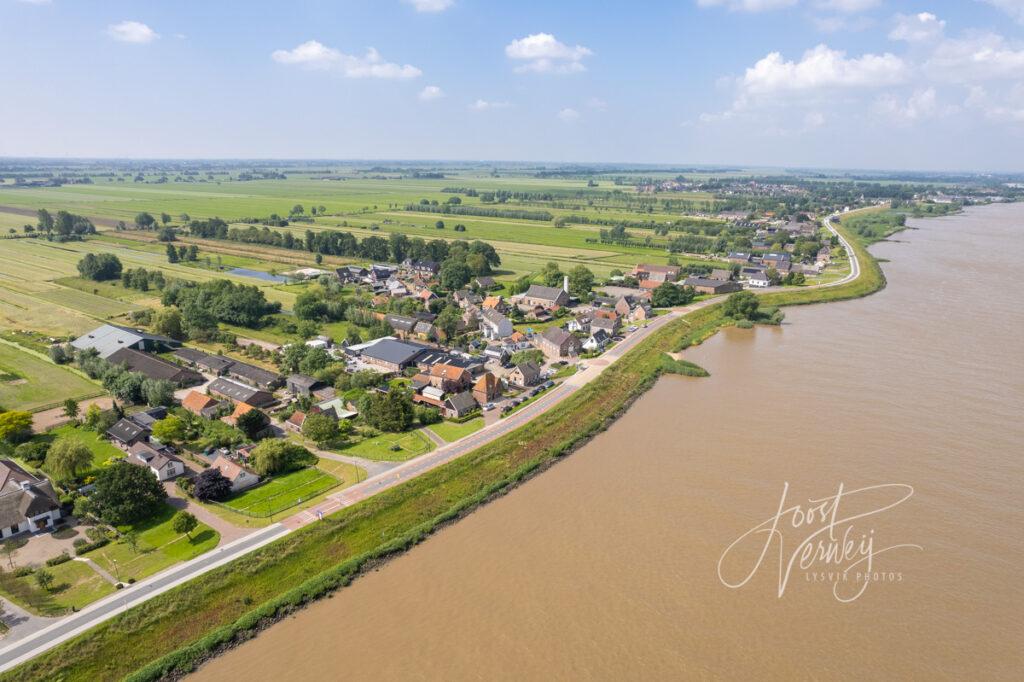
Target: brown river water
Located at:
point(606, 566)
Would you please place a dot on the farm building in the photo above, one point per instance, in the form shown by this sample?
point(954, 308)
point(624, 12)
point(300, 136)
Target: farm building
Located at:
point(240, 393)
point(110, 338)
point(155, 368)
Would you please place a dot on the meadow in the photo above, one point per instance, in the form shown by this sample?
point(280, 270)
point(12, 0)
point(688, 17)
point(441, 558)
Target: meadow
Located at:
point(282, 492)
point(36, 382)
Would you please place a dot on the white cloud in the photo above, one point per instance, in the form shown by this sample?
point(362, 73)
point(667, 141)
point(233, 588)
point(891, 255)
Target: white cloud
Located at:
point(748, 5)
point(431, 92)
point(484, 105)
point(597, 104)
point(976, 57)
point(814, 119)
point(1015, 8)
point(430, 5)
point(847, 6)
point(314, 55)
point(921, 104)
point(917, 28)
point(1008, 108)
point(132, 32)
point(568, 115)
point(543, 53)
point(821, 68)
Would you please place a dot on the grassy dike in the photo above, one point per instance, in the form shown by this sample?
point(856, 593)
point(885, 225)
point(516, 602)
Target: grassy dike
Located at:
point(171, 634)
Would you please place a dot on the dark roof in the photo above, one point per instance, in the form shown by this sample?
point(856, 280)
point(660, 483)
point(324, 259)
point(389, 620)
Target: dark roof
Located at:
point(217, 363)
point(556, 335)
point(400, 322)
point(154, 367)
point(126, 430)
point(545, 293)
point(256, 375)
point(302, 381)
point(775, 256)
point(22, 495)
point(485, 281)
point(461, 402)
point(393, 351)
point(530, 370)
point(149, 417)
point(711, 283)
point(110, 338)
point(240, 392)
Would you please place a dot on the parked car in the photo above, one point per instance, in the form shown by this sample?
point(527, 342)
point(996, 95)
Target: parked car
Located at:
point(632, 328)
point(488, 407)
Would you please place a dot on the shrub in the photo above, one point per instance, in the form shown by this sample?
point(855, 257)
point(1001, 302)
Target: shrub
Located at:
point(88, 547)
point(745, 324)
point(79, 542)
point(59, 559)
point(23, 571)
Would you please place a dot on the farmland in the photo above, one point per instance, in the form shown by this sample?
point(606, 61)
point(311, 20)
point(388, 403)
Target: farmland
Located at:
point(29, 382)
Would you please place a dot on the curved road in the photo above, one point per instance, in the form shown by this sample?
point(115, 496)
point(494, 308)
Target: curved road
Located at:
point(29, 646)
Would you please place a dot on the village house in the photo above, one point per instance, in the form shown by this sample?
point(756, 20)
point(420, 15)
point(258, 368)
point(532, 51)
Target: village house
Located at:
point(110, 338)
point(548, 298)
point(459, 405)
point(295, 421)
point(486, 388)
point(641, 311)
point(153, 367)
point(241, 477)
point(402, 325)
point(126, 433)
point(580, 323)
point(427, 269)
point(607, 320)
point(758, 279)
point(740, 257)
point(597, 340)
point(652, 276)
point(158, 459)
point(524, 374)
point(301, 385)
point(485, 282)
point(721, 273)
point(780, 261)
point(703, 285)
point(215, 364)
point(240, 393)
point(494, 325)
point(201, 404)
point(27, 502)
point(556, 343)
point(448, 378)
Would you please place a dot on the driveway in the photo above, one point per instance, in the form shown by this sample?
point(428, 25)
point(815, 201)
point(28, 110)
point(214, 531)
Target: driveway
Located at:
point(43, 546)
point(228, 531)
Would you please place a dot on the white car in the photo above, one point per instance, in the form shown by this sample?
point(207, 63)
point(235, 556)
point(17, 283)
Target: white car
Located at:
point(488, 407)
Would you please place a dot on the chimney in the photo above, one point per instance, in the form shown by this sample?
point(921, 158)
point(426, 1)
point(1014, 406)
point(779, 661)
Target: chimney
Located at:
point(565, 283)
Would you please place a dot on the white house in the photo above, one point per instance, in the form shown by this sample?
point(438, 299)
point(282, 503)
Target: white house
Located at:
point(758, 280)
point(596, 341)
point(161, 461)
point(494, 325)
point(27, 503)
point(240, 477)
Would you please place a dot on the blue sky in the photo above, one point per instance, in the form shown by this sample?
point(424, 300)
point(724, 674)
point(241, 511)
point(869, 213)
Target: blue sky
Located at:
point(826, 83)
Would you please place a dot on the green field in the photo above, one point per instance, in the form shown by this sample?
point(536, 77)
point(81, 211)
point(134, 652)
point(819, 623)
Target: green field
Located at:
point(75, 584)
point(390, 447)
point(282, 492)
point(38, 383)
point(450, 431)
point(159, 548)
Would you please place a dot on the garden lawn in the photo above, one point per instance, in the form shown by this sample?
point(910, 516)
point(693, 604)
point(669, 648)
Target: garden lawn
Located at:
point(382, 448)
point(102, 449)
point(450, 431)
point(75, 584)
point(282, 492)
point(159, 548)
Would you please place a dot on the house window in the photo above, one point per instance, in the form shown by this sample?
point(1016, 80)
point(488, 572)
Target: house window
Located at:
point(14, 529)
